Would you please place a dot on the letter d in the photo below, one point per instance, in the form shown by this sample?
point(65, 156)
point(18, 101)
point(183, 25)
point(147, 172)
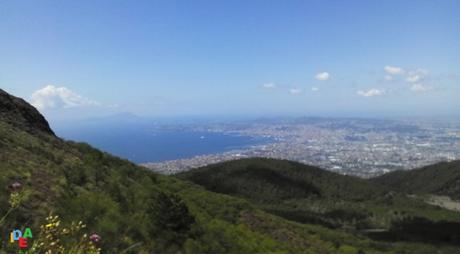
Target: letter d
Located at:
point(16, 234)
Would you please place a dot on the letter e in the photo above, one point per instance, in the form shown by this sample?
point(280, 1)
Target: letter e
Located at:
point(22, 242)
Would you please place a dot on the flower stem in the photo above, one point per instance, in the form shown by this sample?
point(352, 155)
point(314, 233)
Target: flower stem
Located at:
point(6, 215)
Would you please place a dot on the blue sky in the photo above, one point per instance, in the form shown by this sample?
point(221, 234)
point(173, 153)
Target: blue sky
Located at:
point(262, 58)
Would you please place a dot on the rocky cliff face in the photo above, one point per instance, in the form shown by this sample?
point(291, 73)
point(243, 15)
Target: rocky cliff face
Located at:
point(21, 114)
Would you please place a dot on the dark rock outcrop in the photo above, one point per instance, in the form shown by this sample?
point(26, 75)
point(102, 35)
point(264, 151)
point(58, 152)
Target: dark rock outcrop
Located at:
point(20, 114)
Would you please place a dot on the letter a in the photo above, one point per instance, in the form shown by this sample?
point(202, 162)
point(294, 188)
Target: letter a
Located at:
point(27, 233)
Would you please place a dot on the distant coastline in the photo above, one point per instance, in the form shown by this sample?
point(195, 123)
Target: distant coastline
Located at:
point(141, 145)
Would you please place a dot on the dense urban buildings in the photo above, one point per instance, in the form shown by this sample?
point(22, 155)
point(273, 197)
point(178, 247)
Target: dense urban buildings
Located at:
point(361, 147)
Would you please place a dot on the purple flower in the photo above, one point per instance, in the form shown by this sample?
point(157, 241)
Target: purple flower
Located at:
point(95, 238)
point(16, 186)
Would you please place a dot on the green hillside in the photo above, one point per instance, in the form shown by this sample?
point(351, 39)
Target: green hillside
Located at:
point(270, 180)
point(133, 210)
point(307, 194)
point(441, 179)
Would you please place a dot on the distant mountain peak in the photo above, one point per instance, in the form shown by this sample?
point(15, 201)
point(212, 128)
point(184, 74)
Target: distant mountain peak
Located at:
point(22, 115)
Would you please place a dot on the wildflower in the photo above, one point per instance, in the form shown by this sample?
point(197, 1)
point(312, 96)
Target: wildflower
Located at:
point(95, 238)
point(16, 186)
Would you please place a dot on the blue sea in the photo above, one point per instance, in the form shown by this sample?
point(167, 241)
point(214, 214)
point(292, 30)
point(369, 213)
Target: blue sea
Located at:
point(143, 145)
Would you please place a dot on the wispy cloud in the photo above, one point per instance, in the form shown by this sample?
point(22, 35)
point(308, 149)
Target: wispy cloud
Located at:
point(295, 91)
point(413, 78)
point(420, 88)
point(388, 77)
point(393, 70)
point(323, 76)
point(416, 75)
point(315, 89)
point(371, 92)
point(51, 97)
point(269, 85)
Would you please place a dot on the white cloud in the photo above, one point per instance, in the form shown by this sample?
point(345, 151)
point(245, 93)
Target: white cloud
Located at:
point(295, 91)
point(371, 92)
point(416, 76)
point(420, 88)
point(322, 76)
point(393, 70)
point(388, 77)
point(315, 89)
point(59, 97)
point(269, 85)
point(413, 78)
